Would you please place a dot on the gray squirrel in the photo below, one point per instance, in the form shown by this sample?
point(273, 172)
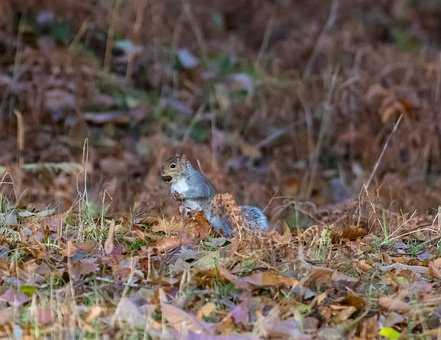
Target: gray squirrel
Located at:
point(195, 192)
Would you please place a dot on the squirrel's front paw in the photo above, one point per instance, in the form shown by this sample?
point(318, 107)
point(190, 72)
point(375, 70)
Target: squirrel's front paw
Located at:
point(177, 196)
point(185, 211)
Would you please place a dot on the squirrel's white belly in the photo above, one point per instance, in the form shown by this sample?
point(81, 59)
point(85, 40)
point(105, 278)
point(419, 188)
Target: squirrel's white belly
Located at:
point(180, 187)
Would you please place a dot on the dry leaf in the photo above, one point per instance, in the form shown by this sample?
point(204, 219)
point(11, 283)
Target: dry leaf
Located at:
point(344, 314)
point(354, 300)
point(182, 321)
point(263, 279)
point(44, 316)
point(70, 250)
point(394, 304)
point(170, 243)
point(340, 277)
point(237, 281)
point(14, 298)
point(435, 268)
point(241, 313)
point(127, 311)
point(270, 326)
point(83, 267)
point(206, 310)
point(6, 315)
point(352, 232)
point(94, 312)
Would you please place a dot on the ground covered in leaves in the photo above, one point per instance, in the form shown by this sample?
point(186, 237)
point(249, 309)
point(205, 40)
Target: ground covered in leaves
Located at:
point(325, 113)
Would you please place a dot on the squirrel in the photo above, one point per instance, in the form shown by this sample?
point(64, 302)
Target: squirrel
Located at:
point(196, 193)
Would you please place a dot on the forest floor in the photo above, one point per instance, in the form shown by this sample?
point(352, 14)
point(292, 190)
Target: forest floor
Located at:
point(324, 113)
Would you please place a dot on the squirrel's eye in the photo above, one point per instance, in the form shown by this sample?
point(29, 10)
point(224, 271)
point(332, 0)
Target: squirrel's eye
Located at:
point(172, 165)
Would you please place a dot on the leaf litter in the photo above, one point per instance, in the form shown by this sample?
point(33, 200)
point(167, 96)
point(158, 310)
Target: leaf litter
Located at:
point(91, 243)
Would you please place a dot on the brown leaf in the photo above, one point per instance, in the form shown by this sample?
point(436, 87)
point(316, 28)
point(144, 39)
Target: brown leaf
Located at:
point(352, 232)
point(340, 277)
point(393, 304)
point(13, 297)
point(345, 313)
point(369, 328)
point(206, 310)
point(270, 326)
point(127, 311)
point(241, 313)
point(171, 243)
point(362, 266)
point(182, 321)
point(44, 316)
point(435, 268)
point(263, 279)
point(202, 228)
point(70, 250)
point(6, 315)
point(354, 300)
point(319, 276)
point(94, 312)
point(237, 281)
point(83, 267)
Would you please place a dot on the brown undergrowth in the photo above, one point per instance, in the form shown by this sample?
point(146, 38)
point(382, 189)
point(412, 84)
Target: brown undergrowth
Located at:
point(325, 114)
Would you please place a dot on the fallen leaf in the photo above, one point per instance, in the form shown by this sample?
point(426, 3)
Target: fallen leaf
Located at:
point(389, 333)
point(28, 290)
point(354, 300)
point(435, 268)
point(94, 312)
point(352, 232)
point(241, 313)
point(394, 304)
point(196, 336)
point(70, 250)
point(263, 279)
point(237, 281)
point(83, 267)
point(14, 298)
point(340, 277)
point(44, 316)
point(369, 328)
point(270, 326)
point(182, 321)
point(6, 315)
point(206, 310)
point(170, 243)
point(127, 311)
point(344, 314)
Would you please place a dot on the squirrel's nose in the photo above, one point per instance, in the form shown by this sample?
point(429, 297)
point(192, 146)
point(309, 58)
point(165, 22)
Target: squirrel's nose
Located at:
point(166, 178)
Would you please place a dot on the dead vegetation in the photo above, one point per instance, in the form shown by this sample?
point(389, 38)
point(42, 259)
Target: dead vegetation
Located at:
point(324, 113)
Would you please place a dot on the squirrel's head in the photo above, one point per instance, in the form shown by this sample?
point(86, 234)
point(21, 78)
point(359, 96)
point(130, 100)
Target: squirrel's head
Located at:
point(174, 167)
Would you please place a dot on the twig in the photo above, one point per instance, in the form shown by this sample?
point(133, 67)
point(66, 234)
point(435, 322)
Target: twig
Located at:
point(328, 25)
point(386, 144)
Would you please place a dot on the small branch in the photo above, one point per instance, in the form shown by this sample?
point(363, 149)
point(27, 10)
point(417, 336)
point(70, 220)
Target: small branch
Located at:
point(386, 144)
